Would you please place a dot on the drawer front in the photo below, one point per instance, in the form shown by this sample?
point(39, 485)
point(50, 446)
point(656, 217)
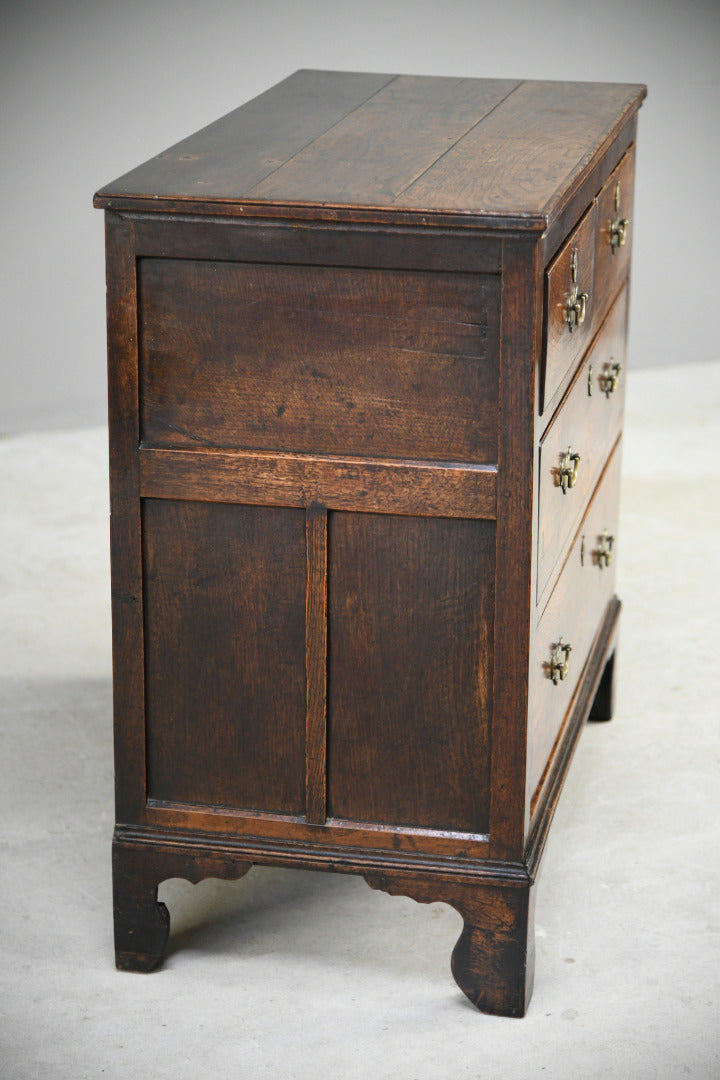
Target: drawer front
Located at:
point(572, 617)
point(381, 363)
point(587, 425)
point(570, 300)
point(614, 233)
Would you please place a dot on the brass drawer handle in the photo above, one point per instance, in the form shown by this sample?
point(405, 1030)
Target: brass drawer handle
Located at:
point(618, 233)
point(610, 378)
point(569, 470)
point(576, 308)
point(618, 227)
point(604, 552)
point(576, 305)
point(559, 661)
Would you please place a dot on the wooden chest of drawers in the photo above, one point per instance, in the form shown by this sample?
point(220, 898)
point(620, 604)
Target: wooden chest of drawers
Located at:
point(366, 351)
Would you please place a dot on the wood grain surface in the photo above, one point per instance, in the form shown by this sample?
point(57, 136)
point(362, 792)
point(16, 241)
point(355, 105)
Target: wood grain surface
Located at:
point(574, 612)
point(612, 267)
point(505, 152)
point(374, 155)
point(572, 269)
point(231, 155)
point(316, 665)
point(382, 486)
point(411, 622)
point(319, 359)
point(588, 423)
point(341, 383)
point(225, 654)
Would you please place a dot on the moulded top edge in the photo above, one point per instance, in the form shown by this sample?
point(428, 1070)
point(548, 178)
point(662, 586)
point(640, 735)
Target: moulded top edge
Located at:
point(488, 153)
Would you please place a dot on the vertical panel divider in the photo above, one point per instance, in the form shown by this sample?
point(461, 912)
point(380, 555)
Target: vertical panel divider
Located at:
point(316, 533)
point(515, 543)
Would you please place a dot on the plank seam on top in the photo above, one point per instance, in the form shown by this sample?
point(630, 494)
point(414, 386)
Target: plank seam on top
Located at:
point(320, 135)
point(458, 140)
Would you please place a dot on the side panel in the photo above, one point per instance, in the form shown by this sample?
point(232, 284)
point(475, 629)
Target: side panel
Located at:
point(225, 654)
point(410, 670)
point(331, 360)
point(305, 640)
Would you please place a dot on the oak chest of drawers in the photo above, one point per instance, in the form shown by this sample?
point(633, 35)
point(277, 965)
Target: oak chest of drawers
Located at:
point(366, 367)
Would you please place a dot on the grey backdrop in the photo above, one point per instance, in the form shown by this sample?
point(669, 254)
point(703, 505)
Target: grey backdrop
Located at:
point(91, 88)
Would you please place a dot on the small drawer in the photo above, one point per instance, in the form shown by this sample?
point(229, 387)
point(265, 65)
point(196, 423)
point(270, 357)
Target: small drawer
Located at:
point(578, 442)
point(571, 619)
point(614, 234)
point(570, 300)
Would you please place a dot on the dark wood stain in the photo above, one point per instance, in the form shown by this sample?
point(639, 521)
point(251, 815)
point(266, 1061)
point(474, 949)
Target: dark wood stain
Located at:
point(333, 360)
point(411, 616)
point(235, 152)
point(125, 531)
point(572, 271)
point(573, 203)
point(590, 425)
point(514, 550)
point(369, 158)
point(340, 382)
point(574, 612)
point(502, 164)
point(424, 146)
point(612, 268)
point(316, 665)
point(225, 654)
point(392, 248)
point(383, 486)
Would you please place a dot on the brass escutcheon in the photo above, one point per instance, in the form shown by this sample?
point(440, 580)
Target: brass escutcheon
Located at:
point(569, 470)
point(559, 661)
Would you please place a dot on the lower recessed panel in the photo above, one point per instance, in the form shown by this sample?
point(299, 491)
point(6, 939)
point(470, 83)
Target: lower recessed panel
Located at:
point(225, 654)
point(409, 689)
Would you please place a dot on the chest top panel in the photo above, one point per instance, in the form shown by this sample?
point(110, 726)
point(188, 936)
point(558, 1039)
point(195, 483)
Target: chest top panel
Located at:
point(497, 153)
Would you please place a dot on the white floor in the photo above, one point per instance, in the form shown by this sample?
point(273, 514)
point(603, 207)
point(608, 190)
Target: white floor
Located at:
point(292, 974)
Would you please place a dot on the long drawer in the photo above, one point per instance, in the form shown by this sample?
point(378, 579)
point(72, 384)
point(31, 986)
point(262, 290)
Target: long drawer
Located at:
point(567, 626)
point(576, 445)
